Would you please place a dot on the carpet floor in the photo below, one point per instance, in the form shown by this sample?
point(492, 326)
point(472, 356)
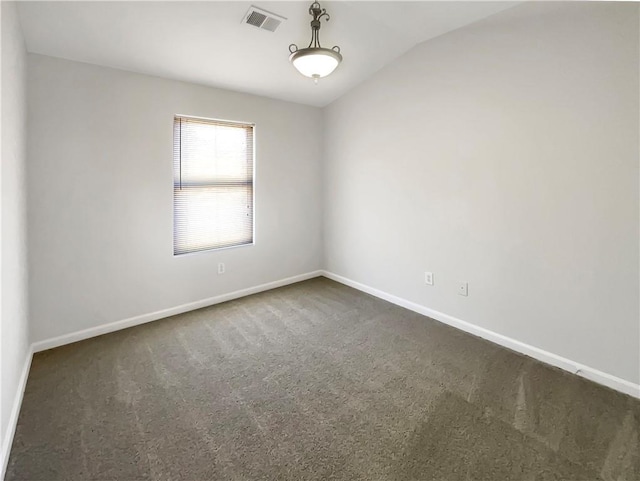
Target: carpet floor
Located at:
point(314, 381)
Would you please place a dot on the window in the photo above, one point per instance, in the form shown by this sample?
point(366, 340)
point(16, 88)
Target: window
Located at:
point(212, 184)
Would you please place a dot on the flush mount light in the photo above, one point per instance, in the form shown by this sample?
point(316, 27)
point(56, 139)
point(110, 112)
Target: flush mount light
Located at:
point(314, 61)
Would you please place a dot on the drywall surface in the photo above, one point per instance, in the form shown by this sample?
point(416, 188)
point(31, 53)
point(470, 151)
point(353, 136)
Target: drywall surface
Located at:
point(504, 154)
point(14, 342)
point(101, 178)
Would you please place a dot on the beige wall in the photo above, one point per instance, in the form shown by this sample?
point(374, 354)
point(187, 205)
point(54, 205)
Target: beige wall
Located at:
point(504, 154)
point(14, 343)
point(100, 181)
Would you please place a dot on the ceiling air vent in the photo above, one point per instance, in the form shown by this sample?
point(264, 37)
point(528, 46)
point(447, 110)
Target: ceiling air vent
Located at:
point(262, 19)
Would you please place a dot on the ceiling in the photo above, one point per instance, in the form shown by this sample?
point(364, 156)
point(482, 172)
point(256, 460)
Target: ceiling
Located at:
point(207, 43)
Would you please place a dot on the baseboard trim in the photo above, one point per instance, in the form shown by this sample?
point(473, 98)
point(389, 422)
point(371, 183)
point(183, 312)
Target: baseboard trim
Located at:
point(15, 412)
point(154, 316)
point(573, 367)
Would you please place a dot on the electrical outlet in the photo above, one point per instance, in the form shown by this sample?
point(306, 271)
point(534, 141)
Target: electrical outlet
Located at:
point(428, 278)
point(463, 289)
point(221, 268)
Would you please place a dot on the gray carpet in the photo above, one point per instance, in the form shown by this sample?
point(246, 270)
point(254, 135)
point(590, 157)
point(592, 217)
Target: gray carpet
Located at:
point(314, 381)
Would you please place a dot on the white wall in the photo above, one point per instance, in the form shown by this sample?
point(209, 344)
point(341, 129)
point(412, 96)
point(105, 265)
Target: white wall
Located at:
point(100, 183)
point(14, 344)
point(504, 154)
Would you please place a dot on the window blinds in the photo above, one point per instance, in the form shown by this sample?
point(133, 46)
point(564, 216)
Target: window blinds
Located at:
point(212, 184)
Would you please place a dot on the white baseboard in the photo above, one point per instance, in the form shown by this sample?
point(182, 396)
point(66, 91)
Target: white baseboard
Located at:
point(154, 316)
point(5, 450)
point(573, 367)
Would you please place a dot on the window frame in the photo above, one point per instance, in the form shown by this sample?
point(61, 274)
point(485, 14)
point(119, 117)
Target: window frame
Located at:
point(253, 186)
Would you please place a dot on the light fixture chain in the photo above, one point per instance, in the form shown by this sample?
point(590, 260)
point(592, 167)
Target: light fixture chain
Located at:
point(317, 13)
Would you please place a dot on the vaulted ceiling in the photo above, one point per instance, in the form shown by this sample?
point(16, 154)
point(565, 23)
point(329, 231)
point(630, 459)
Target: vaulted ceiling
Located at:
point(208, 43)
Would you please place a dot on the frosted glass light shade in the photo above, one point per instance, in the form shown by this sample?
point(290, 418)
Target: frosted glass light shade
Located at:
point(315, 62)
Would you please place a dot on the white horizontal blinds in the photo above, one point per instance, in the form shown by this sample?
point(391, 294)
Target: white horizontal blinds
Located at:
point(212, 184)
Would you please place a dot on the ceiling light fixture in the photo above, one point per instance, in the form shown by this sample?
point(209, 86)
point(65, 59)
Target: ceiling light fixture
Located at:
point(314, 61)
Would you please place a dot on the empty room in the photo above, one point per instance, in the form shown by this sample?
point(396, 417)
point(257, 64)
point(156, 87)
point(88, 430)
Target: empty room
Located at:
point(336, 240)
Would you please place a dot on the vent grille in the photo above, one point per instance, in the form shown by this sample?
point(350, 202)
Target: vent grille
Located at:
point(262, 19)
point(271, 24)
point(256, 19)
